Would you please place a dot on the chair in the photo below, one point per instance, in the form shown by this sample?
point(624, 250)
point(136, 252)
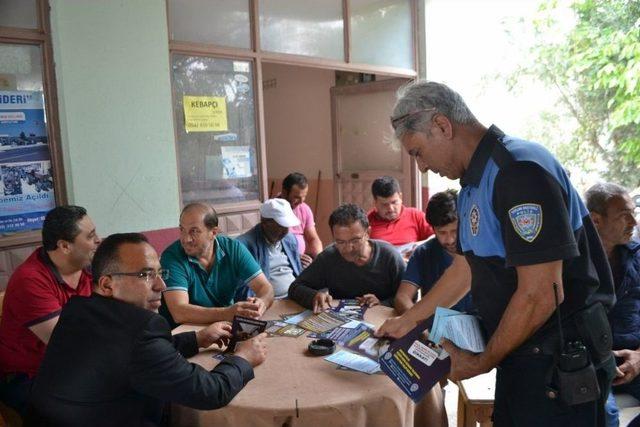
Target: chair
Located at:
point(475, 400)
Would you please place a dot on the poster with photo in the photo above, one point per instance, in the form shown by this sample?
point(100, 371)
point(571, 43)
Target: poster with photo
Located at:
point(26, 180)
point(236, 161)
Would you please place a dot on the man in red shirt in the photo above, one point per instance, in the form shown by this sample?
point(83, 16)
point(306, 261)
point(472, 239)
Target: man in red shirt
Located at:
point(36, 293)
point(390, 220)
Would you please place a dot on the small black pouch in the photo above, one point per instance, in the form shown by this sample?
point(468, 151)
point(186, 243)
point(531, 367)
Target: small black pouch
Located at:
point(594, 329)
point(577, 387)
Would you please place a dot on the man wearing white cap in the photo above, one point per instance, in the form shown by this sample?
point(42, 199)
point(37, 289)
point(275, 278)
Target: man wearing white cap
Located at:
point(275, 249)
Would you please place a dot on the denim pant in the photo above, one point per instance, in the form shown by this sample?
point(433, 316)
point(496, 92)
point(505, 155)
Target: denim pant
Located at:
point(611, 411)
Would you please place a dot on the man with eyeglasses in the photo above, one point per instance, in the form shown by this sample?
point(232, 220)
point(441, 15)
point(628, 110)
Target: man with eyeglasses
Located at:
point(207, 270)
point(525, 241)
point(37, 291)
point(112, 360)
point(393, 222)
point(353, 267)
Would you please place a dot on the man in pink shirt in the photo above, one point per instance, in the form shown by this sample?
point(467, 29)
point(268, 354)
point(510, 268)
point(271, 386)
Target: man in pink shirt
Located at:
point(294, 190)
point(390, 220)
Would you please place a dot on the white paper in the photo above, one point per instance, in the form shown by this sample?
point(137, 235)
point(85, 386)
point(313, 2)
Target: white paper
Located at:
point(236, 161)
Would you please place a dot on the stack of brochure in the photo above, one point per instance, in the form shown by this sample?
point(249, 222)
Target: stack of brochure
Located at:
point(416, 362)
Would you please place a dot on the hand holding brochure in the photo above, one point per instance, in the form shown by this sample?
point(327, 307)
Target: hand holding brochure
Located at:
point(461, 329)
point(416, 363)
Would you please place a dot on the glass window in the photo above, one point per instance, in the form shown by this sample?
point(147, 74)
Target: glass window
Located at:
point(215, 120)
point(220, 22)
point(26, 178)
point(311, 28)
point(18, 13)
point(381, 33)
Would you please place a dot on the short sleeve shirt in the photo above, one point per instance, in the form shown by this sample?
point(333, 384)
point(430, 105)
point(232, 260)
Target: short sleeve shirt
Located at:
point(410, 226)
point(233, 266)
point(518, 207)
point(427, 263)
point(35, 293)
point(304, 214)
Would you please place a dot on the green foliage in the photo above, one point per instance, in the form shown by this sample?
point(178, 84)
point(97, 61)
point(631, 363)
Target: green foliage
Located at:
point(595, 68)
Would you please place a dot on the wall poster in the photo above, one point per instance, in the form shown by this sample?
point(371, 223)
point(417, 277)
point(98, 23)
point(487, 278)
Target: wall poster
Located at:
point(26, 182)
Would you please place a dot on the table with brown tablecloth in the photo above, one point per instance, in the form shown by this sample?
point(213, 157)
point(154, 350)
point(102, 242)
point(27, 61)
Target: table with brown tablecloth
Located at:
point(292, 388)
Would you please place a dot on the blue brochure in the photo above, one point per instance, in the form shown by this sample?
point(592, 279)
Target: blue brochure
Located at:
point(414, 363)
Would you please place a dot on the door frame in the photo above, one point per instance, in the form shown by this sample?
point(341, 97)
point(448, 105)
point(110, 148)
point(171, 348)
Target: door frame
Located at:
point(415, 178)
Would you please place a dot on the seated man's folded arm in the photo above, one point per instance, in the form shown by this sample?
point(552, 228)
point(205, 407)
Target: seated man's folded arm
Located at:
point(159, 371)
point(44, 329)
point(396, 271)
point(404, 296)
point(41, 305)
point(262, 289)
point(183, 312)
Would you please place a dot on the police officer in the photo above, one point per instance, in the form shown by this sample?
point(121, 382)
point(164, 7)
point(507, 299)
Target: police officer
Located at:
point(522, 229)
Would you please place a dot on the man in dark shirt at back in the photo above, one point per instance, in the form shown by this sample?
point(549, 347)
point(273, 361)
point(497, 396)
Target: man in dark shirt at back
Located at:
point(353, 267)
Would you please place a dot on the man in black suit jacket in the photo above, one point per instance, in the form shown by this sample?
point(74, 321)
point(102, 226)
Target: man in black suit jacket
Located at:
point(112, 360)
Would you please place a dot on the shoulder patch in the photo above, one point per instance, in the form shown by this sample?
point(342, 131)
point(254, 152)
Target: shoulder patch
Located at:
point(526, 220)
point(474, 220)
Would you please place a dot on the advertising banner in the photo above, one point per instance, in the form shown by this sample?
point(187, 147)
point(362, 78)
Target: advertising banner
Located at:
point(26, 182)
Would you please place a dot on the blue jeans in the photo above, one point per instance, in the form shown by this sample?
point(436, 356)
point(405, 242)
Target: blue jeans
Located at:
point(611, 411)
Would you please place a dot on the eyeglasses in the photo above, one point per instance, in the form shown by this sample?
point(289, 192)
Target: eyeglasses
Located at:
point(353, 242)
point(395, 122)
point(148, 275)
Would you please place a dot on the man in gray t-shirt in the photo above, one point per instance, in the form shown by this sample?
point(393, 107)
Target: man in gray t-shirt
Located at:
point(353, 267)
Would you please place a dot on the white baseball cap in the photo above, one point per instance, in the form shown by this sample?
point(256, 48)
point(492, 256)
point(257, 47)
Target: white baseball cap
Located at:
point(280, 211)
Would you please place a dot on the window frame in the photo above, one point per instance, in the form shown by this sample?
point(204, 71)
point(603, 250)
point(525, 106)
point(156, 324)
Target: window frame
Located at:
point(41, 37)
point(257, 56)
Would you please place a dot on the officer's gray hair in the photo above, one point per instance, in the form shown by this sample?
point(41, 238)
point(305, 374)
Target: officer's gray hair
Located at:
point(597, 197)
point(423, 95)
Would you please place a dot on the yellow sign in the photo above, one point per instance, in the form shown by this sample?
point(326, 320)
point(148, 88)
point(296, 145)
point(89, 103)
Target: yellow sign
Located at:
point(205, 113)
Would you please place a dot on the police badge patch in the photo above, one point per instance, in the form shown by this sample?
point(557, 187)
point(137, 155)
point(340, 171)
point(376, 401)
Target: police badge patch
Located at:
point(474, 220)
point(526, 220)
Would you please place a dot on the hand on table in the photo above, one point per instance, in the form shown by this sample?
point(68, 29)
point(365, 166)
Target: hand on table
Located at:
point(368, 300)
point(305, 260)
point(262, 307)
point(253, 350)
point(217, 333)
point(630, 367)
point(321, 302)
point(394, 327)
point(464, 364)
point(245, 309)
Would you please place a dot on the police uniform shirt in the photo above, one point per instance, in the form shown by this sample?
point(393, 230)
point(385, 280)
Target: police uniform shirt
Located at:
point(517, 207)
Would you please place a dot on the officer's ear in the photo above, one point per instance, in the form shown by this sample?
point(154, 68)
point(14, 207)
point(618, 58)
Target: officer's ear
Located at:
point(444, 125)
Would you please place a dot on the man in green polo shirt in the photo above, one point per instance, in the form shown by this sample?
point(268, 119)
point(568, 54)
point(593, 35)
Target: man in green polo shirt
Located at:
point(205, 269)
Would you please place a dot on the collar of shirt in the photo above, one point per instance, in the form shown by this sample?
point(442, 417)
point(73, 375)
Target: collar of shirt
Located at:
point(220, 254)
point(473, 174)
point(46, 260)
point(386, 221)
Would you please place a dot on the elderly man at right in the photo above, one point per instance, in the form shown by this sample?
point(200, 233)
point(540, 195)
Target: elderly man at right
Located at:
point(525, 243)
point(611, 210)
